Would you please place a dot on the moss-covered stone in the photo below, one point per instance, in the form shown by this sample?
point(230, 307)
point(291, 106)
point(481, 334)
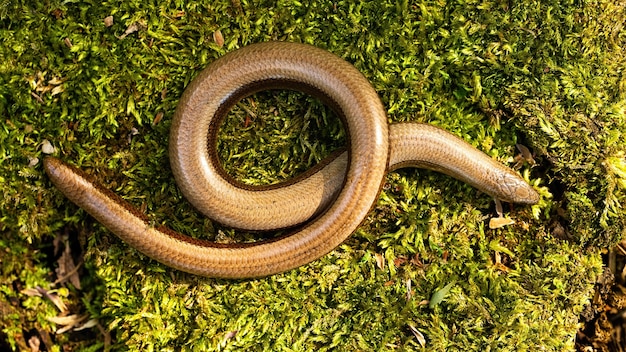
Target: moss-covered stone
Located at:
point(546, 74)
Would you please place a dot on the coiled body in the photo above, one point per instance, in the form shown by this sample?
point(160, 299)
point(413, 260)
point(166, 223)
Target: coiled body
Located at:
point(334, 199)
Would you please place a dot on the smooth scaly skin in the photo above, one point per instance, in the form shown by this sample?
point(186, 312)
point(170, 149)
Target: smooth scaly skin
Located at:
point(373, 149)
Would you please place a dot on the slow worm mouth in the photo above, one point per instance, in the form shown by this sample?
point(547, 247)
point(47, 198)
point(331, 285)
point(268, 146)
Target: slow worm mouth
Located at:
point(347, 186)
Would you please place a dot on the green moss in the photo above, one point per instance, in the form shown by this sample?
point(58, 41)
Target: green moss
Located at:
point(545, 74)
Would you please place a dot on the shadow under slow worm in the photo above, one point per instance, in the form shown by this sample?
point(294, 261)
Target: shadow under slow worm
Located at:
point(346, 197)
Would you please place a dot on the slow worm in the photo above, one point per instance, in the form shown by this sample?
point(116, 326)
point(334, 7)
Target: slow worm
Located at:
point(327, 203)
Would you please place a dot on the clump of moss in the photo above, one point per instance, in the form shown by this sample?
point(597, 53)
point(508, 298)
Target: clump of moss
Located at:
point(423, 271)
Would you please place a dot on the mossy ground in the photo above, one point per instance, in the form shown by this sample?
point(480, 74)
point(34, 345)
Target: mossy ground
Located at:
point(546, 74)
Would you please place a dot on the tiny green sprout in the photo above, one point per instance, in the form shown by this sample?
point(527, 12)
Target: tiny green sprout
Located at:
point(439, 295)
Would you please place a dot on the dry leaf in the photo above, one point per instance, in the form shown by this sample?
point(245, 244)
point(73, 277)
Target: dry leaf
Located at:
point(409, 292)
point(380, 261)
point(34, 343)
point(496, 223)
point(69, 322)
point(37, 97)
point(157, 118)
point(66, 320)
point(67, 270)
point(418, 335)
point(129, 30)
point(30, 292)
point(55, 81)
point(231, 334)
point(54, 298)
point(399, 261)
point(218, 38)
point(57, 90)
point(47, 147)
point(526, 154)
point(88, 324)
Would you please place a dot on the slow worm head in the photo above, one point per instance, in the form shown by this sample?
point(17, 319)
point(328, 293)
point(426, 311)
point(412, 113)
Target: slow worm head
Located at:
point(327, 203)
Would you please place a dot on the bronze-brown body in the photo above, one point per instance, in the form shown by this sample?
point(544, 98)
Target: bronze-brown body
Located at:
point(335, 200)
